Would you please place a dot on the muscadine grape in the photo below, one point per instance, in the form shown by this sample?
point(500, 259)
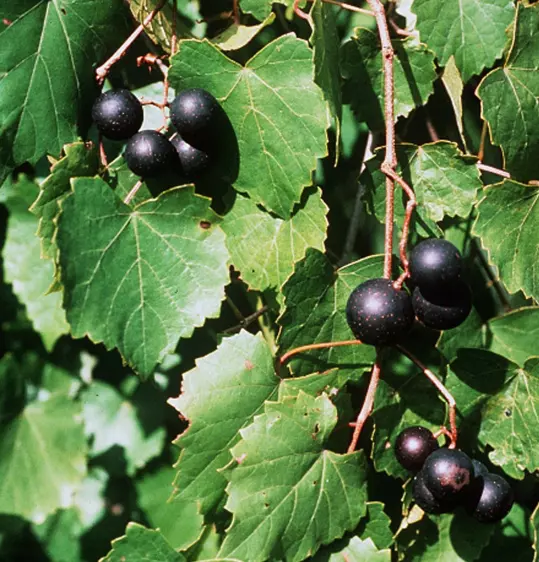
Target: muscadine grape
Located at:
point(117, 114)
point(379, 314)
point(435, 263)
point(149, 153)
point(426, 500)
point(448, 473)
point(193, 161)
point(413, 446)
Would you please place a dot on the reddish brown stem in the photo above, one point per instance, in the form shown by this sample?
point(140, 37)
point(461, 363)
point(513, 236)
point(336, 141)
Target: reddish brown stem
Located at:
point(236, 12)
point(102, 153)
point(133, 192)
point(102, 71)
point(346, 6)
point(492, 170)
point(481, 153)
point(310, 347)
point(299, 12)
point(448, 397)
point(390, 159)
point(367, 407)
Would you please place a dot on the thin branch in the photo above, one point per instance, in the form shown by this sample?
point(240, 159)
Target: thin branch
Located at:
point(448, 397)
point(481, 153)
point(367, 407)
point(102, 71)
point(390, 159)
point(133, 192)
point(492, 170)
point(236, 12)
point(235, 309)
point(299, 12)
point(346, 6)
point(102, 153)
point(247, 320)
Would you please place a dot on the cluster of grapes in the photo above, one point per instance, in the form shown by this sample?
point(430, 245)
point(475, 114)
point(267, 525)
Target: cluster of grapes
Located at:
point(448, 478)
point(194, 113)
point(380, 314)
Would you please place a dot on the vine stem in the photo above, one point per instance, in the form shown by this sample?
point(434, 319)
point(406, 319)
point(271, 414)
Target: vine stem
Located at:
point(132, 193)
point(493, 170)
point(448, 397)
point(103, 70)
point(236, 12)
point(367, 407)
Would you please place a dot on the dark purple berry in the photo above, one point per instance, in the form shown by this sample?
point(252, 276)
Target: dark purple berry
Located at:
point(193, 162)
point(494, 501)
point(479, 469)
point(379, 314)
point(194, 112)
point(424, 498)
point(448, 473)
point(443, 310)
point(117, 114)
point(413, 445)
point(149, 153)
point(433, 263)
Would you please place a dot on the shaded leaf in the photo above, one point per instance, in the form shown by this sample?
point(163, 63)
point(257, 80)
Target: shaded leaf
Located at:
point(273, 487)
point(219, 397)
point(47, 75)
point(139, 279)
point(451, 29)
point(509, 97)
point(454, 86)
point(507, 226)
point(140, 544)
point(277, 111)
point(264, 248)
point(469, 334)
point(414, 76)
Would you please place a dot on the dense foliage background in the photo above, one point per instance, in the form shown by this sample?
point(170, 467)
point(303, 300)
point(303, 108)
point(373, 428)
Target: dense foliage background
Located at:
point(122, 324)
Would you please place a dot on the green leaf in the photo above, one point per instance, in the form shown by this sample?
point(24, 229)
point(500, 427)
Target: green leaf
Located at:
point(447, 538)
point(377, 526)
point(112, 420)
point(507, 398)
point(277, 111)
point(451, 29)
point(219, 397)
point(80, 159)
point(535, 523)
point(12, 388)
point(47, 80)
point(140, 279)
point(42, 458)
point(237, 36)
point(179, 522)
point(327, 69)
point(469, 334)
point(507, 226)
point(514, 335)
point(454, 86)
point(359, 550)
point(444, 180)
point(288, 494)
point(315, 302)
point(260, 9)
point(362, 66)
point(509, 97)
point(30, 275)
point(264, 248)
point(140, 544)
point(13, 10)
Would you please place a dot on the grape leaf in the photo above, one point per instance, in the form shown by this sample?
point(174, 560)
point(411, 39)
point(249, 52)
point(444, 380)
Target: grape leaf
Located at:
point(327, 69)
point(140, 544)
point(260, 9)
point(46, 75)
point(507, 396)
point(219, 397)
point(12, 388)
point(507, 226)
point(139, 279)
point(535, 523)
point(447, 538)
point(30, 275)
point(469, 334)
point(414, 76)
point(287, 493)
point(454, 87)
point(237, 36)
point(359, 550)
point(179, 522)
point(277, 111)
point(264, 248)
point(451, 29)
point(11, 11)
point(444, 180)
point(80, 159)
point(112, 420)
point(315, 302)
point(509, 97)
point(42, 458)
point(514, 335)
point(376, 526)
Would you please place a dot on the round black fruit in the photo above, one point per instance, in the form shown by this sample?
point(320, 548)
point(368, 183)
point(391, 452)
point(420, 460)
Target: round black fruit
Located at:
point(443, 310)
point(193, 161)
point(149, 153)
point(495, 500)
point(424, 498)
point(194, 112)
point(379, 314)
point(433, 263)
point(479, 469)
point(117, 114)
point(448, 473)
point(413, 446)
